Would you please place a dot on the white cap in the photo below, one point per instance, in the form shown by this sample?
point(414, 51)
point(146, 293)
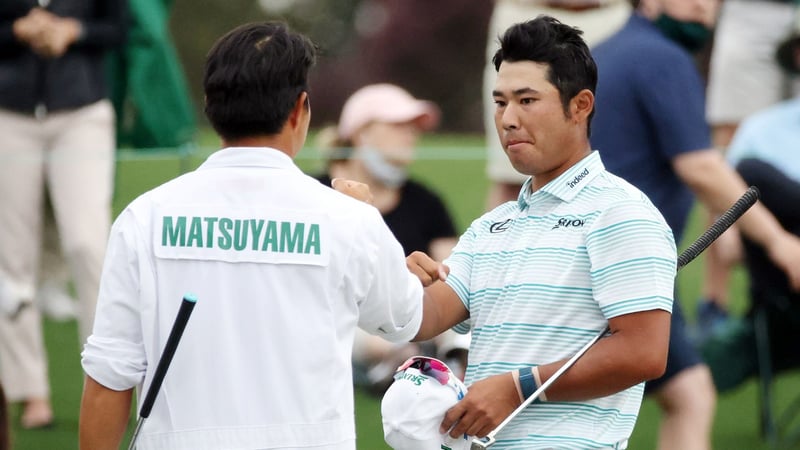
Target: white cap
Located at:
point(413, 408)
point(385, 103)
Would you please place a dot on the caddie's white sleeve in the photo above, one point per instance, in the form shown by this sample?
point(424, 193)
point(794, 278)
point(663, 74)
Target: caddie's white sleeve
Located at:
point(392, 307)
point(114, 355)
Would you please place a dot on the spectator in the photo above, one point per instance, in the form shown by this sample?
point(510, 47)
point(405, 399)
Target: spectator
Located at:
point(378, 133)
point(58, 133)
point(535, 279)
point(54, 298)
point(274, 322)
point(652, 131)
point(152, 109)
point(598, 19)
point(764, 150)
point(743, 79)
point(375, 142)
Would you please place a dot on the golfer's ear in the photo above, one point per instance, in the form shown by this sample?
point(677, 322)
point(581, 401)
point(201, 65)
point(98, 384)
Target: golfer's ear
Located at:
point(581, 105)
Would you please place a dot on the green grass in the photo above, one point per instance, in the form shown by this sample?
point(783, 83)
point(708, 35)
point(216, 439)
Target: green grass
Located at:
point(454, 167)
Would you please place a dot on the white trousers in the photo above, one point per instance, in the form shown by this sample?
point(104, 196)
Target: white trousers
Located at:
point(72, 155)
point(744, 75)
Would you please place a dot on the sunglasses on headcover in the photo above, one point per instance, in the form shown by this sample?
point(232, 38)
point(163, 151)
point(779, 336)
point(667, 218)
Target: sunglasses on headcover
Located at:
point(430, 367)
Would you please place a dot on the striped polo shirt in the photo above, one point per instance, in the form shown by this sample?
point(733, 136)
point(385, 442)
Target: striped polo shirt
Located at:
point(541, 276)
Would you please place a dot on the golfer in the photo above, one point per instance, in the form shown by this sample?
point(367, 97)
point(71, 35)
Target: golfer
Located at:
point(284, 269)
point(535, 279)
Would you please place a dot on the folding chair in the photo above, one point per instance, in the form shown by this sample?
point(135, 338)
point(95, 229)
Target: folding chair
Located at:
point(781, 429)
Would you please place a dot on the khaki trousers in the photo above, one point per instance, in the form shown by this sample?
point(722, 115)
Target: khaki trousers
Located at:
point(72, 155)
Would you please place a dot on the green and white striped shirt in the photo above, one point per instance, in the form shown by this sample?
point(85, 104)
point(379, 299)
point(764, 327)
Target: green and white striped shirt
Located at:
point(541, 276)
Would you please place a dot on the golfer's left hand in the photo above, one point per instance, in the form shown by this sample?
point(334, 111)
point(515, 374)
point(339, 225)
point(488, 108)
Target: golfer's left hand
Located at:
point(487, 403)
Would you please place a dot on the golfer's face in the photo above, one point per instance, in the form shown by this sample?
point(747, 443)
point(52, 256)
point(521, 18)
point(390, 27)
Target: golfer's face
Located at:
point(530, 119)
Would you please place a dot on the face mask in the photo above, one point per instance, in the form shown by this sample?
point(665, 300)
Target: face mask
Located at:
point(383, 171)
point(690, 35)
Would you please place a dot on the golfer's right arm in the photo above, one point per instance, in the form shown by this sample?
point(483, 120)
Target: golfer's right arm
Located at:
point(104, 416)
point(442, 309)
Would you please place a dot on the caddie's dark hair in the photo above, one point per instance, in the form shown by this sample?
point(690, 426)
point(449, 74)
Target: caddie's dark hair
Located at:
point(545, 40)
point(253, 77)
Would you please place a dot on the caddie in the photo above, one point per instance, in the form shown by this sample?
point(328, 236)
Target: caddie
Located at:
point(284, 269)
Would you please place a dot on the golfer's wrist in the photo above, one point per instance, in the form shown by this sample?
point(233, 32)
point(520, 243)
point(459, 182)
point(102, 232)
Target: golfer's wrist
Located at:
point(527, 381)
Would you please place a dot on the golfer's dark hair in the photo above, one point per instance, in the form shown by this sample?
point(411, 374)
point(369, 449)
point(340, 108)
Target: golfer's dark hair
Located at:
point(546, 40)
point(253, 77)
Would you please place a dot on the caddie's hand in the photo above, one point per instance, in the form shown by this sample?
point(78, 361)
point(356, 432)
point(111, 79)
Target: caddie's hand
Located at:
point(355, 189)
point(487, 403)
point(785, 253)
point(425, 268)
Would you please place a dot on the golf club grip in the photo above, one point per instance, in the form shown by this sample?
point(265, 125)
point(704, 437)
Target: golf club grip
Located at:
point(187, 305)
point(723, 222)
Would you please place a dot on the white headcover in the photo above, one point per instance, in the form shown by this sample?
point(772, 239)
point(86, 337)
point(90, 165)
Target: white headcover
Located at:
point(413, 408)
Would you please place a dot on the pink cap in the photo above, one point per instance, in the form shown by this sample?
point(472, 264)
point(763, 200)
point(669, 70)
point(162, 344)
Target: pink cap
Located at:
point(385, 103)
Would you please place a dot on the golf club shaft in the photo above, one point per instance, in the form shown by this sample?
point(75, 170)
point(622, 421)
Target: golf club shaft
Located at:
point(187, 305)
point(723, 222)
point(490, 438)
point(719, 226)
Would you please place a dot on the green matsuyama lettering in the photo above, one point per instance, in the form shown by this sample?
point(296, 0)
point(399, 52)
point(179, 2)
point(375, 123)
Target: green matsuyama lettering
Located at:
point(270, 243)
point(255, 227)
point(312, 243)
point(173, 233)
point(225, 226)
point(288, 239)
point(226, 233)
point(210, 221)
point(240, 228)
point(196, 233)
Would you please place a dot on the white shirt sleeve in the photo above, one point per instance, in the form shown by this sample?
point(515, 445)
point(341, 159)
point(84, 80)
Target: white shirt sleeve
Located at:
point(392, 304)
point(114, 354)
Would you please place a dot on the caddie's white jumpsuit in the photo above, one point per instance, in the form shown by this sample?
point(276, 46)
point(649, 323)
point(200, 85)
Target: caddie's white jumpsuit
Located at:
point(284, 269)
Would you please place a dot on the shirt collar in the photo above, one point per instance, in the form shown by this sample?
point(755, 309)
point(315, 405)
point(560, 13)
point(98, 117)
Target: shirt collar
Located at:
point(249, 157)
point(567, 185)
